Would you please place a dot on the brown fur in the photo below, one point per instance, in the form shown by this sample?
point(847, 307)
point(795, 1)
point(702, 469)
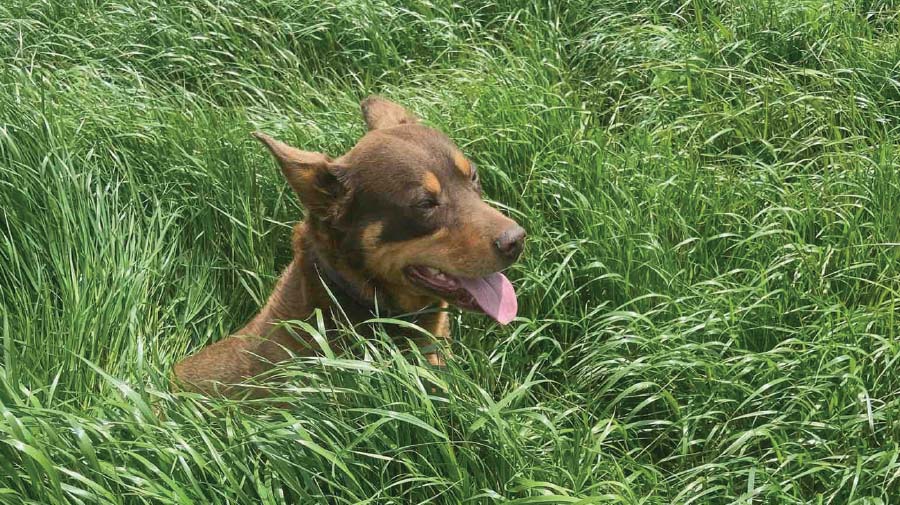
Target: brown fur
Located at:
point(404, 195)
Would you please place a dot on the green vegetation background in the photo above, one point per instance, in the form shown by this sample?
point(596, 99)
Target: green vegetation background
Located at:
point(708, 300)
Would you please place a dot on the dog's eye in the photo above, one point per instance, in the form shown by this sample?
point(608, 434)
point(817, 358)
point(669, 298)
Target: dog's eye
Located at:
point(474, 173)
point(427, 203)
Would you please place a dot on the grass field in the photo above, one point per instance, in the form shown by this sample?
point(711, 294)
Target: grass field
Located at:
point(708, 300)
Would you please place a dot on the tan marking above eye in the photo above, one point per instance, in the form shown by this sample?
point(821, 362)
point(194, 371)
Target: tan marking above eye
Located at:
point(462, 164)
point(431, 183)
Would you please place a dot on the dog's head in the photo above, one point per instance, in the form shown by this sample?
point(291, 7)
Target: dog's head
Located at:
point(403, 210)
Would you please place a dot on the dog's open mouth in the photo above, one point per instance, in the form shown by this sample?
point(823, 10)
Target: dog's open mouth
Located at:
point(492, 294)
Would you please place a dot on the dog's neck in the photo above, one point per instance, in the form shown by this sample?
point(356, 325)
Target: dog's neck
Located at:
point(353, 295)
point(316, 278)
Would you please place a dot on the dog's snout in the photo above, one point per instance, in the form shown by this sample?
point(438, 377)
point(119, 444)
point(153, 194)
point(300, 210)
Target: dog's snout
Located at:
point(511, 242)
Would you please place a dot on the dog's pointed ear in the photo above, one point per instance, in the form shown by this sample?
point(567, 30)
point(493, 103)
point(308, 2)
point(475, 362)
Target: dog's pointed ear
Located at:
point(313, 176)
point(380, 113)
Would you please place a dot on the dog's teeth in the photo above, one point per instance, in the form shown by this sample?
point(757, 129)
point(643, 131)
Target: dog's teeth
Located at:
point(432, 271)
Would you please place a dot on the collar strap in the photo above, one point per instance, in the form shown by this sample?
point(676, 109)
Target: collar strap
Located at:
point(339, 285)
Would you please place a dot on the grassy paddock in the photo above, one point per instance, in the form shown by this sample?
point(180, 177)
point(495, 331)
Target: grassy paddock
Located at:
point(708, 298)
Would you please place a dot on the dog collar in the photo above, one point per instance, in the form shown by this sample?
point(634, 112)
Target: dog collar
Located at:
point(339, 285)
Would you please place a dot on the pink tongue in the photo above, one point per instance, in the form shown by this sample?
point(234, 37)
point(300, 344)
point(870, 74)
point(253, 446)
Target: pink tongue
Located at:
point(494, 294)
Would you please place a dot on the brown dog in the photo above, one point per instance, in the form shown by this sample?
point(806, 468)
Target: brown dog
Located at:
point(395, 226)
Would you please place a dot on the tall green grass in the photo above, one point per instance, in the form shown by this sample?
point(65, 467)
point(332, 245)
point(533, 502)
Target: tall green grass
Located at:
point(709, 296)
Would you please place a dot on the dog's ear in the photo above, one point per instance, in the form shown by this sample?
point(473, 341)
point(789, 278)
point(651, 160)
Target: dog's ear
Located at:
point(380, 113)
point(313, 176)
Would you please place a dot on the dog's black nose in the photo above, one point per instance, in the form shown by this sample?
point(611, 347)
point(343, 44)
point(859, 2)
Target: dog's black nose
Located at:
point(511, 242)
